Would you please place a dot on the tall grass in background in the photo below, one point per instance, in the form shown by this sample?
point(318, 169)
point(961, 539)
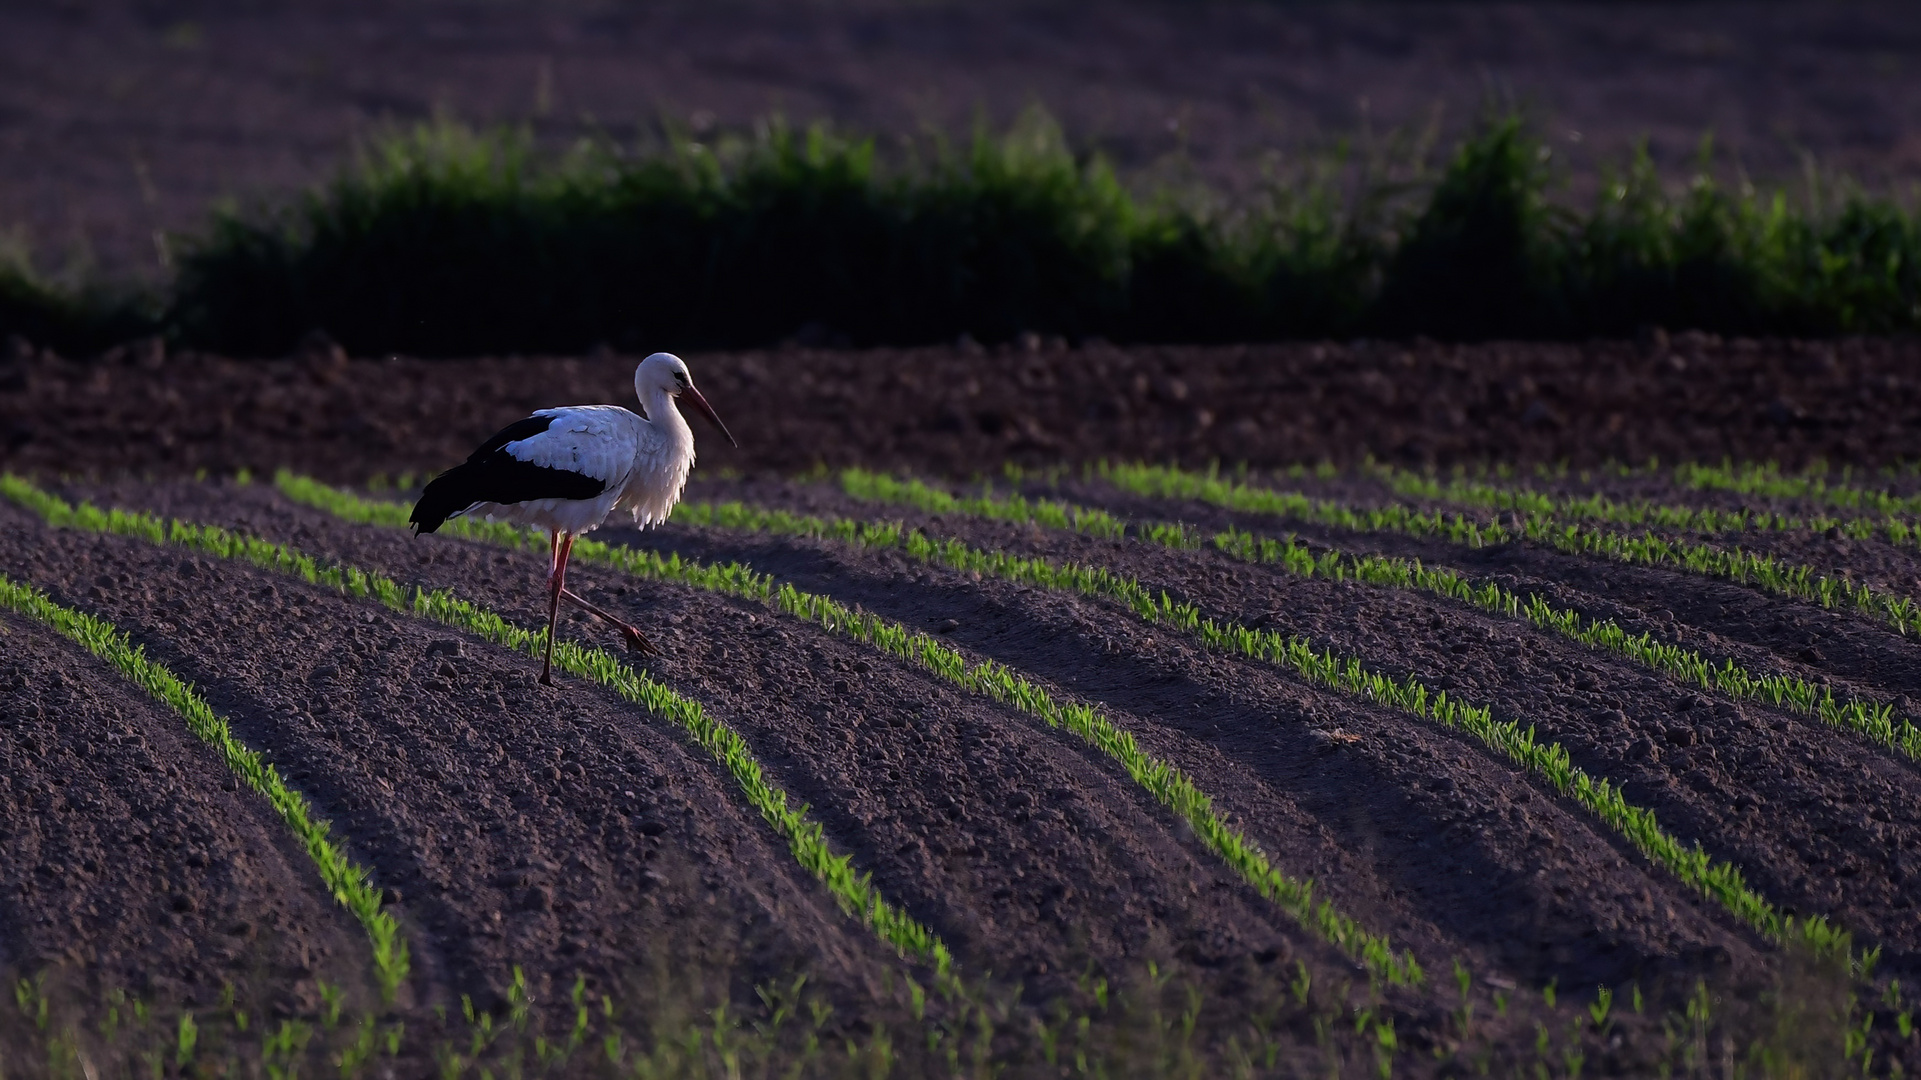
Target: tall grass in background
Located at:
point(442, 240)
point(70, 315)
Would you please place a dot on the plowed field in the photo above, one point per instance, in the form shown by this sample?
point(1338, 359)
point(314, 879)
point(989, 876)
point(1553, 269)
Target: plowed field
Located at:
point(1031, 777)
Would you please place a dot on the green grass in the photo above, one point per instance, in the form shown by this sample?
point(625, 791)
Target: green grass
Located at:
point(1764, 572)
point(1720, 881)
point(1167, 784)
point(351, 884)
point(804, 837)
point(1873, 720)
point(442, 240)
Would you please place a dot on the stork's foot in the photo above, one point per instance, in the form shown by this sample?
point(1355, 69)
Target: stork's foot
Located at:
point(546, 679)
point(637, 641)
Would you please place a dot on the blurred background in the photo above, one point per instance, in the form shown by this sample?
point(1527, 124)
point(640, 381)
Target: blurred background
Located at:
point(120, 122)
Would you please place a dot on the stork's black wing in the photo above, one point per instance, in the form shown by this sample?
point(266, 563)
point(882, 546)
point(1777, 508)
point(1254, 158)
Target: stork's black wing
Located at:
point(493, 474)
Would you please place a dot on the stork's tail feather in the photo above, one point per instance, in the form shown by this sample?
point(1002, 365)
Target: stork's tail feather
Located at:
point(448, 494)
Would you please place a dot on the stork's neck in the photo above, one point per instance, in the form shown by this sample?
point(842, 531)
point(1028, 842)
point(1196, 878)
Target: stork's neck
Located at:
point(664, 413)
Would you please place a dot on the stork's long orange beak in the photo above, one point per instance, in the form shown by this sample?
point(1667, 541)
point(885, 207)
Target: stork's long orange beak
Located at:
point(707, 411)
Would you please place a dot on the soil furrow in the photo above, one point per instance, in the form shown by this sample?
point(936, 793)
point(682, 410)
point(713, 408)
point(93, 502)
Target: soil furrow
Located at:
point(890, 560)
point(1007, 838)
point(1351, 769)
point(1818, 820)
point(131, 859)
point(570, 840)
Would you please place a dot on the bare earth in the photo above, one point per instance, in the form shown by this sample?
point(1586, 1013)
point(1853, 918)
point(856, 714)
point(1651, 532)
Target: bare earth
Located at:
point(962, 412)
point(574, 836)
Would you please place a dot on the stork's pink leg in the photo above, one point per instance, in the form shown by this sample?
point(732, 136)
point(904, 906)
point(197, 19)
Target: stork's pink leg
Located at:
point(636, 640)
point(556, 584)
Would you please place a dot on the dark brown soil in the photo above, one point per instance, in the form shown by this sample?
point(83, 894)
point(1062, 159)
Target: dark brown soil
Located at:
point(1032, 856)
point(961, 412)
point(128, 859)
point(119, 119)
point(570, 832)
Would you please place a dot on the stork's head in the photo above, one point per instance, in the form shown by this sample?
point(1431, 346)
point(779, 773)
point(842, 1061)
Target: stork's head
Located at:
point(665, 373)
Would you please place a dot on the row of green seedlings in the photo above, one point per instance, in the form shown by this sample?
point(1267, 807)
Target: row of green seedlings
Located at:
point(350, 883)
point(1765, 572)
point(1811, 485)
point(1638, 513)
point(1720, 881)
point(1168, 785)
point(805, 838)
point(1765, 481)
point(1872, 720)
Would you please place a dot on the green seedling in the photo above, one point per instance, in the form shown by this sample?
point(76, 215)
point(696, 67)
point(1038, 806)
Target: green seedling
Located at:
point(186, 1036)
point(1599, 1009)
point(1464, 1016)
point(331, 998)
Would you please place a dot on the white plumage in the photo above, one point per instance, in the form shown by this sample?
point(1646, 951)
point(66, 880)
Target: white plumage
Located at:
point(565, 470)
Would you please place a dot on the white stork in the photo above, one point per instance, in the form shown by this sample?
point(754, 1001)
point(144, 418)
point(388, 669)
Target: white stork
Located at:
point(566, 469)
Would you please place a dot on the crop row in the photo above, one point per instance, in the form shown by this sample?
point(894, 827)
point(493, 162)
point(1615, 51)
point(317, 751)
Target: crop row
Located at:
point(1765, 572)
point(805, 838)
point(1169, 786)
point(1873, 720)
point(1720, 881)
point(1639, 513)
point(350, 883)
point(1769, 482)
point(1816, 484)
